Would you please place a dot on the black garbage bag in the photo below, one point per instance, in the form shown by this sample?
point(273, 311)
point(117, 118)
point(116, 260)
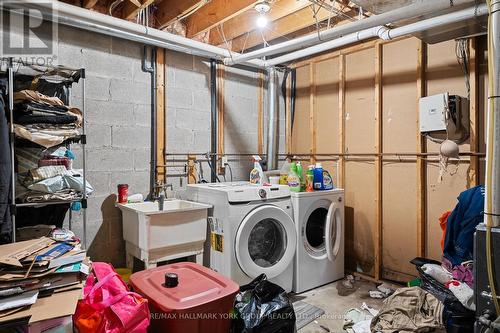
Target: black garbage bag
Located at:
point(263, 307)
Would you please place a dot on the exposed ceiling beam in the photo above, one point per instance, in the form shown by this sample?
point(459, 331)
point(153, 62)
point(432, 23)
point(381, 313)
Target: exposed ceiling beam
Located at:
point(168, 11)
point(131, 8)
point(215, 13)
point(245, 22)
point(89, 4)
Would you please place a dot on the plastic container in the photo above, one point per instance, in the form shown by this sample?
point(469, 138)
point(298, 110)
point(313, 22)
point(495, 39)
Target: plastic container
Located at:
point(327, 181)
point(122, 193)
point(310, 179)
point(257, 174)
point(293, 178)
point(301, 177)
point(284, 171)
point(186, 297)
point(274, 180)
point(318, 177)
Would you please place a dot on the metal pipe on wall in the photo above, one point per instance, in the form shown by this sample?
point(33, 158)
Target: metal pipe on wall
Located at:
point(213, 119)
point(151, 69)
point(272, 131)
point(418, 8)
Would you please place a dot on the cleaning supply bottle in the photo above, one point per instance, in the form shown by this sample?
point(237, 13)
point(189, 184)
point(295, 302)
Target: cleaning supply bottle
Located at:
point(301, 177)
point(293, 178)
point(310, 179)
point(327, 181)
point(257, 174)
point(285, 169)
point(318, 177)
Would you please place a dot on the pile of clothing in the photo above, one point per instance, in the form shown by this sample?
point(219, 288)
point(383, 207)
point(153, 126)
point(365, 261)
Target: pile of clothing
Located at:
point(49, 178)
point(44, 120)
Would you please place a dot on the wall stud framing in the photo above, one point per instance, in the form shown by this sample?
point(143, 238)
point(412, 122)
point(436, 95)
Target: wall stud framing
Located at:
point(220, 115)
point(474, 113)
point(378, 158)
point(161, 114)
point(341, 161)
point(260, 113)
point(312, 110)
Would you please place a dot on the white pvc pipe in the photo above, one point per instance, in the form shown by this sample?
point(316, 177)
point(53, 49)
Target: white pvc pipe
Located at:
point(418, 8)
point(82, 18)
point(383, 33)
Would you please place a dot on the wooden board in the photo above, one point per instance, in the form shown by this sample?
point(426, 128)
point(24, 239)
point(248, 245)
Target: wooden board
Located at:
point(301, 136)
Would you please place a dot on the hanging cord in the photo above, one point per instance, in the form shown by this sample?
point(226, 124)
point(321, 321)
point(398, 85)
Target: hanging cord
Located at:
point(214, 172)
point(489, 168)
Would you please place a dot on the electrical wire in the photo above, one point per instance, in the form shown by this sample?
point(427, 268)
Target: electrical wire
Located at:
point(214, 172)
point(489, 167)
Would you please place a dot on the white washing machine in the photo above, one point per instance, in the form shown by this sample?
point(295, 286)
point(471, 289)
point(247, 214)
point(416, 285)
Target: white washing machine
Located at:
point(251, 231)
point(319, 221)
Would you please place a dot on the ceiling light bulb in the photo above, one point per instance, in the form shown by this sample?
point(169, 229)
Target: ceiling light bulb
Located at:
point(261, 21)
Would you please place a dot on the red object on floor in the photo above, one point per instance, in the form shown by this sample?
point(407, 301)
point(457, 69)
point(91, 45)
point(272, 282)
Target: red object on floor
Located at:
point(442, 223)
point(186, 297)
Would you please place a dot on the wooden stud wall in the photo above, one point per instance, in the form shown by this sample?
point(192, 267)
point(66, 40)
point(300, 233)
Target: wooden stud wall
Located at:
point(356, 110)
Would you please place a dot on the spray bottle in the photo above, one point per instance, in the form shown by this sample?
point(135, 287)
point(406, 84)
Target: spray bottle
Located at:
point(257, 174)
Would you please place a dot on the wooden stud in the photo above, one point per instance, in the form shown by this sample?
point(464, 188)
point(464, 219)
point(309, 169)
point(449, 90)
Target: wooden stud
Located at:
point(421, 148)
point(288, 115)
point(192, 171)
point(378, 158)
point(130, 9)
point(161, 115)
point(341, 161)
point(220, 114)
point(474, 112)
point(168, 11)
point(260, 113)
point(312, 111)
point(89, 4)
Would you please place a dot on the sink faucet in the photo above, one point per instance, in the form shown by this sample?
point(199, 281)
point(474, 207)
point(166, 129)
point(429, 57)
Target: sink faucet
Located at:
point(161, 201)
point(162, 188)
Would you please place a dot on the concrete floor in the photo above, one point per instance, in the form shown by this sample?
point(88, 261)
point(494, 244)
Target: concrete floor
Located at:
point(335, 306)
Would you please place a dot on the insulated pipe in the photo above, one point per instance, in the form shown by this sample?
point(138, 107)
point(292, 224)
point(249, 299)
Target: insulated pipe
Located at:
point(272, 131)
point(421, 7)
point(384, 33)
point(66, 14)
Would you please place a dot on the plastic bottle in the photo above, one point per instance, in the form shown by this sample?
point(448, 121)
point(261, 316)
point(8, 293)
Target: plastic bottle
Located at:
point(327, 181)
point(301, 177)
point(318, 177)
point(285, 169)
point(257, 174)
point(293, 178)
point(310, 179)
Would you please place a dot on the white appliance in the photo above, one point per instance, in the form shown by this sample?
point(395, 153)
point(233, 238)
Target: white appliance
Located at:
point(251, 230)
point(319, 221)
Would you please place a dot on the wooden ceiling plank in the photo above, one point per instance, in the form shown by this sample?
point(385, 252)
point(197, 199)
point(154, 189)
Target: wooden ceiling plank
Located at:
point(215, 13)
point(89, 4)
point(245, 22)
point(130, 9)
point(290, 24)
point(168, 11)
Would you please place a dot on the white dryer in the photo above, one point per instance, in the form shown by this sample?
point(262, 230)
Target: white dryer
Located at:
point(319, 221)
point(251, 231)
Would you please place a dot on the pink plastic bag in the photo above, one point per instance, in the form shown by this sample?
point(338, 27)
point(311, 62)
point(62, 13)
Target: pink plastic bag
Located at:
point(108, 306)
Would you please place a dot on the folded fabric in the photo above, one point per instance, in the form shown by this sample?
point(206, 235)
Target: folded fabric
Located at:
point(54, 160)
point(463, 293)
point(45, 172)
point(60, 183)
point(35, 96)
point(464, 273)
point(38, 113)
point(28, 158)
point(45, 119)
point(42, 197)
point(437, 272)
point(29, 107)
point(45, 137)
point(409, 310)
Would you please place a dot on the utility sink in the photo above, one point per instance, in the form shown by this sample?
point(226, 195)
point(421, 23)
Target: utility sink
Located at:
point(180, 225)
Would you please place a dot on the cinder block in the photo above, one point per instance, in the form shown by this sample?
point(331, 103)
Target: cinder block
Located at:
point(179, 98)
point(138, 181)
point(96, 88)
point(201, 141)
point(131, 136)
point(185, 78)
point(142, 115)
point(201, 121)
point(170, 77)
point(142, 159)
point(179, 60)
point(109, 113)
point(132, 92)
point(98, 135)
point(179, 140)
point(202, 100)
point(100, 181)
point(109, 159)
point(184, 118)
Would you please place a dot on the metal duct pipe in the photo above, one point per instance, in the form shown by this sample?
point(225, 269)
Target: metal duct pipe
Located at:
point(272, 130)
point(382, 32)
point(93, 21)
point(418, 8)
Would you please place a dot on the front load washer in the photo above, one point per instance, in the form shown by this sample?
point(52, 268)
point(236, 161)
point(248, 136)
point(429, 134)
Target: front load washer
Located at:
point(319, 221)
point(251, 231)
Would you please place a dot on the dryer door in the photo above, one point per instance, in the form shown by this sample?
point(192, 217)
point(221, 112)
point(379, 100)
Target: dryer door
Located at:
point(265, 242)
point(333, 230)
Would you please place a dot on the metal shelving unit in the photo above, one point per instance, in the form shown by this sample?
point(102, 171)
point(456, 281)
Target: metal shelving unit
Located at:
point(81, 139)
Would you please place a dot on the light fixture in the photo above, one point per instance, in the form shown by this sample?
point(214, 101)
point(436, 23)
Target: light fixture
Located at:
point(262, 8)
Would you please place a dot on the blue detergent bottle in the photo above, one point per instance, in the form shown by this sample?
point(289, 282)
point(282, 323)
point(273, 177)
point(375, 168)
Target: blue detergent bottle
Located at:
point(318, 177)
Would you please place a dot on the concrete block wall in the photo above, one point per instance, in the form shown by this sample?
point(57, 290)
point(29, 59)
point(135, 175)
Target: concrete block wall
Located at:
point(118, 109)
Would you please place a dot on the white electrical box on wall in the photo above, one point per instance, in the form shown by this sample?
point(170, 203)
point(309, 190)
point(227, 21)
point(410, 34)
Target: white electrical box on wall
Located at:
point(444, 112)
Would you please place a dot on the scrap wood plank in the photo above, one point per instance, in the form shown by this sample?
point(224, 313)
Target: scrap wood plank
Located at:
point(421, 148)
point(161, 115)
point(378, 158)
point(341, 161)
point(474, 112)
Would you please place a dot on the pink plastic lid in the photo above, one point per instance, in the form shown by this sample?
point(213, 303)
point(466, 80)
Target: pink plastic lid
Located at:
point(197, 286)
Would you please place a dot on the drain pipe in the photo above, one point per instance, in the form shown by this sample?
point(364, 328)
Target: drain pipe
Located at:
point(213, 120)
point(418, 8)
point(272, 131)
point(151, 69)
point(383, 33)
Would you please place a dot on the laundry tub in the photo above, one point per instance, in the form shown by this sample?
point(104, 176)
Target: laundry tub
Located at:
point(186, 297)
point(153, 235)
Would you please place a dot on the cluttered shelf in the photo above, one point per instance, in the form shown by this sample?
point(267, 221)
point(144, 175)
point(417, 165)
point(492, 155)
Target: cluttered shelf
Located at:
point(42, 126)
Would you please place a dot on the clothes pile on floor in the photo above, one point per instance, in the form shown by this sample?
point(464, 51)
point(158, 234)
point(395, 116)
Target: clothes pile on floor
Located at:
point(44, 120)
point(41, 281)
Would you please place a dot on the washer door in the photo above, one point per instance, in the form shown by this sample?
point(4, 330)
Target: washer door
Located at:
point(333, 231)
point(265, 242)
